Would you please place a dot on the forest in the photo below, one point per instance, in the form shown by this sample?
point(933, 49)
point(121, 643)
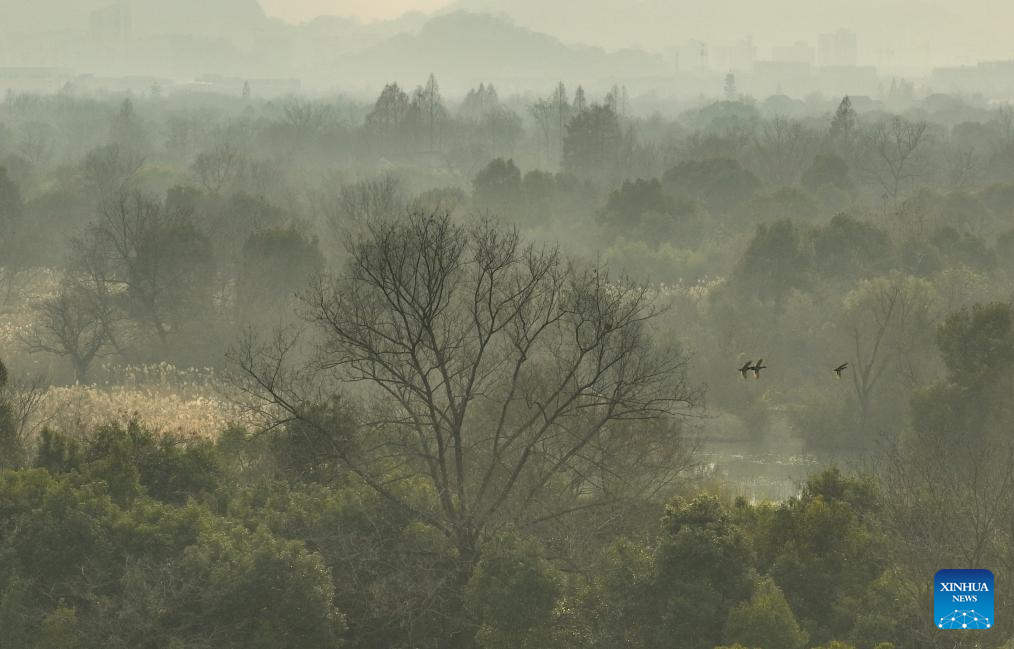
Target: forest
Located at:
point(485, 372)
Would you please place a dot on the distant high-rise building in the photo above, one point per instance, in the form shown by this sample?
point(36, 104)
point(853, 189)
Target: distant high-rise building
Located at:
point(692, 55)
point(739, 57)
point(837, 49)
point(799, 53)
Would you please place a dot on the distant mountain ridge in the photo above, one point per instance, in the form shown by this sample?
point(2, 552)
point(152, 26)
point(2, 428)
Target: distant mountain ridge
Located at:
point(186, 39)
point(900, 31)
point(470, 47)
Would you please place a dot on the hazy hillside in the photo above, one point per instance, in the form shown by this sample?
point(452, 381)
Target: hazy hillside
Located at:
point(469, 47)
point(934, 32)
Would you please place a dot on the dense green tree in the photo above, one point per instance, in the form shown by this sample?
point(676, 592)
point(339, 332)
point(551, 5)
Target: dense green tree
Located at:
point(591, 147)
point(59, 630)
point(765, 620)
point(827, 169)
point(786, 202)
point(512, 593)
point(776, 261)
point(641, 209)
point(620, 605)
point(699, 569)
point(720, 183)
point(427, 109)
point(844, 125)
point(497, 187)
point(386, 124)
point(977, 344)
point(152, 575)
point(848, 248)
point(824, 551)
point(256, 590)
point(13, 451)
point(275, 265)
point(17, 619)
point(703, 567)
point(946, 247)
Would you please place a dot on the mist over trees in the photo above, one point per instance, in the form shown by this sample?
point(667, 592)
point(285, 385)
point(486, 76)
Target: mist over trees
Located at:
point(496, 370)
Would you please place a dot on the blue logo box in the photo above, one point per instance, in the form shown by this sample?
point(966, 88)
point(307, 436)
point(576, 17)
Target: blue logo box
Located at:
point(963, 599)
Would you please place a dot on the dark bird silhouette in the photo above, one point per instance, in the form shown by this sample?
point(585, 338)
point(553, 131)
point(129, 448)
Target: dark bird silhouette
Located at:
point(838, 370)
point(746, 368)
point(758, 367)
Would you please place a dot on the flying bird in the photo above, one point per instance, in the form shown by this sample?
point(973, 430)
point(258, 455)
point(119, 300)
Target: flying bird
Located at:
point(838, 370)
point(757, 368)
point(746, 368)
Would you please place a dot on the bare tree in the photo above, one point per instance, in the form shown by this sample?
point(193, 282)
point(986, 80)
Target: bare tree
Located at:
point(887, 321)
point(25, 397)
point(948, 503)
point(962, 167)
point(506, 380)
point(218, 167)
point(356, 204)
point(1004, 120)
point(891, 147)
point(37, 143)
point(109, 170)
point(307, 117)
point(783, 147)
point(19, 401)
point(148, 259)
point(71, 324)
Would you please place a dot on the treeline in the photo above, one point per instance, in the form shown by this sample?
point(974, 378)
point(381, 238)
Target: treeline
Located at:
point(515, 470)
point(128, 538)
point(469, 434)
point(125, 537)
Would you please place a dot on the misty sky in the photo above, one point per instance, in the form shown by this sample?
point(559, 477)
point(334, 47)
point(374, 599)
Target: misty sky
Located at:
point(367, 10)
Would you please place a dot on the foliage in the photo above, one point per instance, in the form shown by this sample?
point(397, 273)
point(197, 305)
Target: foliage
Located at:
point(776, 261)
point(765, 620)
point(512, 593)
point(720, 183)
point(275, 265)
point(592, 144)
